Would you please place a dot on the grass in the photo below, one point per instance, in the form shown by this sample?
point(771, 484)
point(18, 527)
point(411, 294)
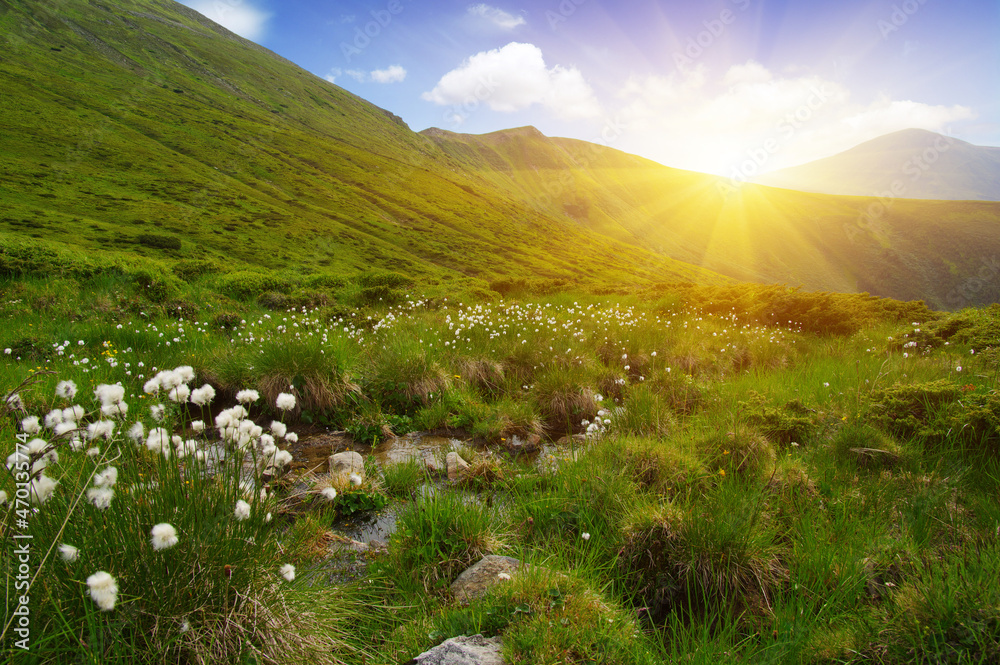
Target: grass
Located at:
point(836, 506)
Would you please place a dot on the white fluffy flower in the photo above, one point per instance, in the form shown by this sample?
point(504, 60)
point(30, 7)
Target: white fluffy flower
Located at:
point(291, 437)
point(285, 401)
point(103, 589)
point(66, 389)
point(157, 411)
point(74, 412)
point(585, 535)
point(30, 425)
point(179, 394)
point(242, 511)
point(163, 536)
point(109, 393)
point(158, 441)
point(68, 552)
point(169, 379)
point(288, 572)
point(41, 489)
point(198, 425)
point(247, 396)
point(282, 458)
point(355, 479)
point(185, 373)
point(278, 428)
point(203, 396)
point(329, 493)
point(137, 433)
point(53, 418)
point(116, 410)
point(100, 497)
point(106, 478)
point(101, 428)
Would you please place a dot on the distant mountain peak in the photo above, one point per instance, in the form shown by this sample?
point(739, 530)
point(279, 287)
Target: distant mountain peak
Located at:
point(910, 163)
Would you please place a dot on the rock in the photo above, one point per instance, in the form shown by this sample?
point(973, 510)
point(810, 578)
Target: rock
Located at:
point(342, 465)
point(572, 440)
point(474, 650)
point(456, 465)
point(430, 461)
point(476, 579)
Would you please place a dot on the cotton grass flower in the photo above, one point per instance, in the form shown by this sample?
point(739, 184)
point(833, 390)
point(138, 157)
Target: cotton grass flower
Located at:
point(41, 489)
point(163, 536)
point(100, 428)
point(101, 497)
point(329, 493)
point(203, 396)
point(278, 428)
point(137, 433)
point(75, 412)
point(185, 373)
point(103, 589)
point(116, 410)
point(68, 553)
point(285, 401)
point(30, 425)
point(242, 511)
point(157, 411)
point(106, 478)
point(109, 393)
point(291, 437)
point(66, 389)
point(179, 394)
point(198, 425)
point(53, 418)
point(247, 396)
point(288, 572)
point(355, 480)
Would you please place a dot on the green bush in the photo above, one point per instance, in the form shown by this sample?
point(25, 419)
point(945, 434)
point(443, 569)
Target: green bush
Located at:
point(247, 284)
point(158, 241)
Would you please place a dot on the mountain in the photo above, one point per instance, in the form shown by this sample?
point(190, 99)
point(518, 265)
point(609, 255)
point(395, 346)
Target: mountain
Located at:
point(940, 251)
point(911, 164)
point(139, 127)
point(131, 119)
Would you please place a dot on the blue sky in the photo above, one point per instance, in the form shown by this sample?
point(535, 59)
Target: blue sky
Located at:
point(725, 86)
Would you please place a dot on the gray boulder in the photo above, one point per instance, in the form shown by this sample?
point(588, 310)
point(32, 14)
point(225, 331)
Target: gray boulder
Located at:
point(342, 465)
point(479, 577)
point(474, 650)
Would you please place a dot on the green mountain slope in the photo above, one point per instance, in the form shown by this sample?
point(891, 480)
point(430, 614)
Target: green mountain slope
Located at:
point(941, 251)
point(142, 118)
point(138, 127)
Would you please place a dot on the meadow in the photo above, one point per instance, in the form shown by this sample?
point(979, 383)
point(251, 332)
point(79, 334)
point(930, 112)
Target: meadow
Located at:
point(746, 473)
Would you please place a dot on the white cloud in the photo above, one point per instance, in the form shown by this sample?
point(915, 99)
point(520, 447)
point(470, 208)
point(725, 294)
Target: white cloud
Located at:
point(391, 74)
point(750, 120)
point(513, 78)
point(497, 16)
point(239, 17)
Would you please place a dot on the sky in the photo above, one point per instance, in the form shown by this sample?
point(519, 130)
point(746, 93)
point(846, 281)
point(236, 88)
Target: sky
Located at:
point(732, 87)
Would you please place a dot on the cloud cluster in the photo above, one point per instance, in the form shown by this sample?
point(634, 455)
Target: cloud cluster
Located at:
point(496, 16)
point(691, 119)
point(513, 78)
point(391, 74)
point(240, 17)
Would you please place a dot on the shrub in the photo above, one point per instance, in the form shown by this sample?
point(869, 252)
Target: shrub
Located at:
point(246, 284)
point(158, 241)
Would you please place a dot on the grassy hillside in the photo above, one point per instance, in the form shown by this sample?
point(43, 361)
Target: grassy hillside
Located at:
point(940, 251)
point(133, 126)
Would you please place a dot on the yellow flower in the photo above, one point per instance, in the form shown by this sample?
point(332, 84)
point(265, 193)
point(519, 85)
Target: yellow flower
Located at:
point(722, 472)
